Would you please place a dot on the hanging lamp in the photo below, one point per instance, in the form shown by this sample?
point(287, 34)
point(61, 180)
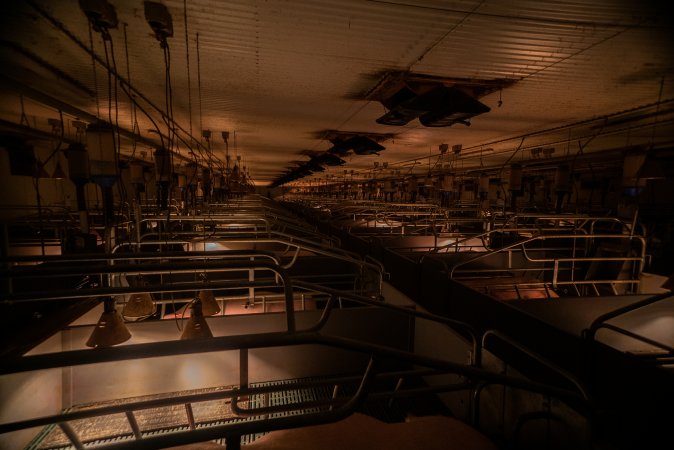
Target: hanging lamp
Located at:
point(196, 327)
point(110, 329)
point(209, 305)
point(139, 306)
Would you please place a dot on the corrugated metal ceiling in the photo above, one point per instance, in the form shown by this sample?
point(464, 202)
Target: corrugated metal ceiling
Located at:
point(274, 73)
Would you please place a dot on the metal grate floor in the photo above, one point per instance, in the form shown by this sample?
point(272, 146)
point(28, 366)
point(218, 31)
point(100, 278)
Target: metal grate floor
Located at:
point(115, 428)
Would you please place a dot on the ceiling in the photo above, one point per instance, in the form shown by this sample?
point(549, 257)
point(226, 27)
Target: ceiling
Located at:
point(282, 76)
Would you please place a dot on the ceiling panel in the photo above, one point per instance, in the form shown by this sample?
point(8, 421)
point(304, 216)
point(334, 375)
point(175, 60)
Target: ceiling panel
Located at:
point(275, 73)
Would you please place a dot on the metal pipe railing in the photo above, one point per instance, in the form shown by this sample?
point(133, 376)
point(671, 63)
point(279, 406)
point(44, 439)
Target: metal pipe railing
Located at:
point(601, 323)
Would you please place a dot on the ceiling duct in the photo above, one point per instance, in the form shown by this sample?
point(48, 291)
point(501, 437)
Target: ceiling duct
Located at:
point(361, 145)
point(343, 143)
point(330, 159)
point(314, 166)
point(441, 106)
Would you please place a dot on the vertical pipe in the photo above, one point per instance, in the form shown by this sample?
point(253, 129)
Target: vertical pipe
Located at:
point(190, 416)
point(134, 424)
point(243, 368)
point(251, 290)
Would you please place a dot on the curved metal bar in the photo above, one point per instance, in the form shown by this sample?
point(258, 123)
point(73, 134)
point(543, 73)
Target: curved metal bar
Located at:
point(73, 294)
point(111, 257)
point(592, 329)
point(637, 337)
point(325, 315)
point(164, 267)
point(535, 356)
point(549, 237)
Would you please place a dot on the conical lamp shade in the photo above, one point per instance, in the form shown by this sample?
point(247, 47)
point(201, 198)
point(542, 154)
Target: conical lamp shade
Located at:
point(139, 305)
point(196, 327)
point(209, 306)
point(110, 329)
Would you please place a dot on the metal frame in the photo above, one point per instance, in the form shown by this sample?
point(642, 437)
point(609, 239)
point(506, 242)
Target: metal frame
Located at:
point(665, 354)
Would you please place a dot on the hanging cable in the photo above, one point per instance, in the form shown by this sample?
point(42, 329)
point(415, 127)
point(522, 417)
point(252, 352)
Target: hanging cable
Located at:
point(201, 115)
point(124, 84)
point(120, 185)
point(93, 68)
point(134, 113)
point(187, 57)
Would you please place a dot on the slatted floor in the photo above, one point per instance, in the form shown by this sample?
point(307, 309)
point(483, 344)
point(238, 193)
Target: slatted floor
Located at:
point(115, 427)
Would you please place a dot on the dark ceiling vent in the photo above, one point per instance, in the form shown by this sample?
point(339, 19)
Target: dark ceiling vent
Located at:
point(440, 106)
point(343, 143)
point(361, 145)
point(330, 159)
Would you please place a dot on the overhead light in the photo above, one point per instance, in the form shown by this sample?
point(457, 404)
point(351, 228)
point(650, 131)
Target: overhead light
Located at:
point(139, 306)
point(209, 306)
point(196, 327)
point(110, 329)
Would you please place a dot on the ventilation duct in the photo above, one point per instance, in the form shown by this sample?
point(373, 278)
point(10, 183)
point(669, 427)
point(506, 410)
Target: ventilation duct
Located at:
point(339, 147)
point(361, 145)
point(330, 159)
point(441, 106)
